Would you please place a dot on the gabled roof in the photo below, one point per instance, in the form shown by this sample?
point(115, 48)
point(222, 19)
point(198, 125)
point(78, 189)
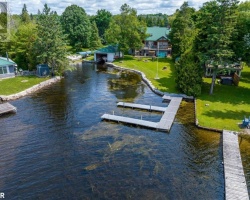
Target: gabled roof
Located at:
point(157, 32)
point(5, 61)
point(108, 49)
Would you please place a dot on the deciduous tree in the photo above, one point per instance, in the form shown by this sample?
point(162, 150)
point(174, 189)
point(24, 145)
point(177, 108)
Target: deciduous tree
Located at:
point(77, 26)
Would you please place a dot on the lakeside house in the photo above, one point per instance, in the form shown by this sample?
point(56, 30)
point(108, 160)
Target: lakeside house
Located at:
point(157, 44)
point(109, 54)
point(7, 67)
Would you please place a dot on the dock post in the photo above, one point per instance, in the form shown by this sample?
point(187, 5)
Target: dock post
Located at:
point(141, 117)
point(113, 112)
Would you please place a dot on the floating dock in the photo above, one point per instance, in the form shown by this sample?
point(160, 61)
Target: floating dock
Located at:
point(7, 108)
point(164, 124)
point(235, 182)
point(130, 120)
point(143, 107)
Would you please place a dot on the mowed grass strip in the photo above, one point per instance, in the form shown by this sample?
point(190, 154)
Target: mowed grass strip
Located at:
point(166, 70)
point(18, 84)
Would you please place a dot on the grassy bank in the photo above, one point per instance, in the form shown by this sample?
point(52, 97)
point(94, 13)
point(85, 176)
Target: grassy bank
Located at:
point(228, 104)
point(166, 71)
point(225, 108)
point(18, 84)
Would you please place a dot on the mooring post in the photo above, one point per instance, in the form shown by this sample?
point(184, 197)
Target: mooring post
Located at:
point(150, 107)
point(141, 117)
point(113, 112)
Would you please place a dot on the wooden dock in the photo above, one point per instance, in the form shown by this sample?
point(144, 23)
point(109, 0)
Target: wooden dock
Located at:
point(235, 182)
point(143, 107)
point(164, 124)
point(169, 115)
point(6, 108)
point(130, 120)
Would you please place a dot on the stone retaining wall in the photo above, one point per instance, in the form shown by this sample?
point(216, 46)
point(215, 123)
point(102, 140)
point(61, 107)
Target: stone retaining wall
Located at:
point(30, 90)
point(148, 82)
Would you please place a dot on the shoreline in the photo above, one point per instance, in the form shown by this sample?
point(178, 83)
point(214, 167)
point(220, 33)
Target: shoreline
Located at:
point(30, 90)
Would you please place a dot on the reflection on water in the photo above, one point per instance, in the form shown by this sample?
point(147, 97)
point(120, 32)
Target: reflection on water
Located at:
point(57, 147)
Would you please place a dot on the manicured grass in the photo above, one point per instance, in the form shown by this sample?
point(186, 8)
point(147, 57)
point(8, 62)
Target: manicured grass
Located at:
point(166, 81)
point(228, 104)
point(18, 84)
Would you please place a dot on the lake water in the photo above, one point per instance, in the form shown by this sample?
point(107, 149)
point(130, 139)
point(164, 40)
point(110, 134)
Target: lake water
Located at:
point(57, 147)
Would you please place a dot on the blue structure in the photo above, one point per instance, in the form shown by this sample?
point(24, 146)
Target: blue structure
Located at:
point(245, 122)
point(42, 70)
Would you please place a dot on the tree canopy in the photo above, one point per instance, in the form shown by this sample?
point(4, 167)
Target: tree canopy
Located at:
point(77, 26)
point(126, 30)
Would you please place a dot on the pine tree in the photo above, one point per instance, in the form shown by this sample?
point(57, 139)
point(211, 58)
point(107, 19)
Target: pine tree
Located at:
point(25, 18)
point(95, 41)
point(50, 45)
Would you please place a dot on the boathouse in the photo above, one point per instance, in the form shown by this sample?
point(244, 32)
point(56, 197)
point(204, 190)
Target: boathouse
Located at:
point(7, 67)
point(109, 54)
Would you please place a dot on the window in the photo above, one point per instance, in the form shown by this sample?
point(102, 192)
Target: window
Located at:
point(3, 70)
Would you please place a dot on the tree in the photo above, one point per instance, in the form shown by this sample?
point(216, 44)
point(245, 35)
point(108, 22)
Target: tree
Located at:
point(25, 18)
point(102, 20)
point(76, 25)
point(213, 41)
point(23, 44)
point(189, 74)
point(126, 30)
point(240, 37)
point(182, 30)
point(50, 46)
point(95, 41)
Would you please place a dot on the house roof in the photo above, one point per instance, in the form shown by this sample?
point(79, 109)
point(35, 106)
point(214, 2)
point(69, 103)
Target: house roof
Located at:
point(108, 49)
point(5, 61)
point(157, 32)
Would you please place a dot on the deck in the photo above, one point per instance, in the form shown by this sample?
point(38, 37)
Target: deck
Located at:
point(6, 108)
point(164, 124)
point(235, 182)
point(143, 107)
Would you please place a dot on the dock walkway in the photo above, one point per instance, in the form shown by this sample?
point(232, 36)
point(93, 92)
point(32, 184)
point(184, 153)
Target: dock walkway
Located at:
point(164, 124)
point(169, 115)
point(143, 107)
point(235, 182)
point(130, 120)
point(6, 108)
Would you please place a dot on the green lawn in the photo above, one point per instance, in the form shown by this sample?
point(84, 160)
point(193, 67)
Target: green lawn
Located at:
point(166, 81)
point(18, 84)
point(228, 104)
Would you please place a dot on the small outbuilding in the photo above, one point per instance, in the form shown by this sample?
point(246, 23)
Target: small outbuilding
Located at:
point(7, 67)
point(42, 70)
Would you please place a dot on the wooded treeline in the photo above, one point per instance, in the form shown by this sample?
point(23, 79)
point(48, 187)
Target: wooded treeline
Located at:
point(219, 32)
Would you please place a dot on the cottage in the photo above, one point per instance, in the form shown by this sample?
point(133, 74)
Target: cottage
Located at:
point(109, 54)
point(7, 67)
point(157, 42)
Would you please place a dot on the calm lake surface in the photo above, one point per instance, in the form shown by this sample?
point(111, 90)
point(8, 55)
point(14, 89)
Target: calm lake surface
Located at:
point(57, 147)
